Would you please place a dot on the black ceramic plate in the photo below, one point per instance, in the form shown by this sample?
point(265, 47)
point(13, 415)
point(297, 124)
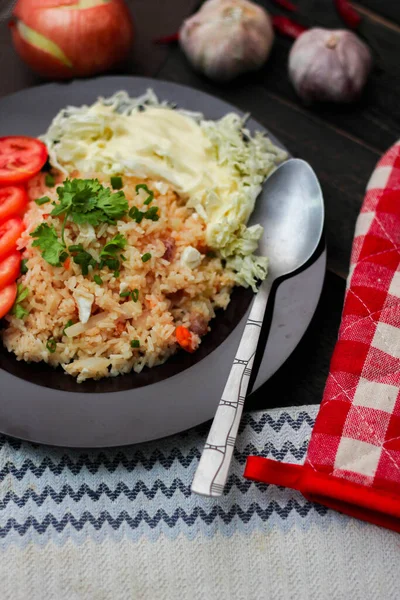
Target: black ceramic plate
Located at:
point(43, 404)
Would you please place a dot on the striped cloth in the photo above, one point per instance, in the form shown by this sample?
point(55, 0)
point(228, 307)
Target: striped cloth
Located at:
point(353, 462)
point(121, 524)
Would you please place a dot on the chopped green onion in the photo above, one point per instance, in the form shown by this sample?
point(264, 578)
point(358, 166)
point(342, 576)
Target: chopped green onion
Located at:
point(68, 324)
point(49, 180)
point(51, 345)
point(82, 258)
point(122, 257)
point(135, 344)
point(146, 257)
point(136, 214)
point(24, 266)
point(116, 182)
point(98, 279)
point(44, 200)
point(116, 274)
point(143, 186)
point(134, 294)
point(152, 214)
point(112, 263)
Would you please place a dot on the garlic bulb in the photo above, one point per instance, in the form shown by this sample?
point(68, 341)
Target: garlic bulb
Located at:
point(329, 65)
point(227, 37)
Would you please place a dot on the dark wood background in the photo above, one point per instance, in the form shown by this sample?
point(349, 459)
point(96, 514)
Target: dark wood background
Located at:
point(342, 143)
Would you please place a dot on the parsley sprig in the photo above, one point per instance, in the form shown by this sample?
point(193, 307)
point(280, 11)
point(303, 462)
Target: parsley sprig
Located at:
point(17, 310)
point(46, 238)
point(87, 201)
point(110, 255)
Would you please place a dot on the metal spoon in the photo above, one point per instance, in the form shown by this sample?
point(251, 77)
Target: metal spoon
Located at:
point(291, 208)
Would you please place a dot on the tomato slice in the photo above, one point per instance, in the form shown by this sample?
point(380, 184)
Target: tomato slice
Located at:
point(7, 298)
point(9, 269)
point(13, 200)
point(20, 158)
point(10, 231)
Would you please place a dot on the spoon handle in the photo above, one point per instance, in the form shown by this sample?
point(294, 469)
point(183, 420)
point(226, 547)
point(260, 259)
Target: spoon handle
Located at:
point(213, 468)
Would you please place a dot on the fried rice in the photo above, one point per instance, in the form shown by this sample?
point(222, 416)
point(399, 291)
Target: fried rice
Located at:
point(171, 291)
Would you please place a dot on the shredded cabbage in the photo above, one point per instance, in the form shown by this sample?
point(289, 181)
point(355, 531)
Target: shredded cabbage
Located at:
point(77, 139)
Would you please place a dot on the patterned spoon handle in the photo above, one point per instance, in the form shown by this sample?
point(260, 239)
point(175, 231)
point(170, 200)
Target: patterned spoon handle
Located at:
point(213, 468)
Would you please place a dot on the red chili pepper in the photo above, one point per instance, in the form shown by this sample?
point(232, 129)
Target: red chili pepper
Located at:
point(67, 263)
point(167, 39)
point(288, 27)
point(347, 13)
point(286, 4)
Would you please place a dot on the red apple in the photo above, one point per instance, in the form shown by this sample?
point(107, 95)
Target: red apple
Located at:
point(71, 38)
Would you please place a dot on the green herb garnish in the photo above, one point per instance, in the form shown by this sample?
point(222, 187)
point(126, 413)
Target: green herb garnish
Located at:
point(152, 214)
point(134, 294)
point(97, 279)
point(44, 200)
point(116, 274)
point(109, 254)
point(68, 324)
point(17, 310)
point(51, 345)
point(87, 201)
point(116, 182)
point(53, 251)
point(118, 242)
point(136, 214)
point(24, 266)
point(82, 257)
point(143, 186)
point(146, 257)
point(135, 344)
point(49, 180)
point(112, 263)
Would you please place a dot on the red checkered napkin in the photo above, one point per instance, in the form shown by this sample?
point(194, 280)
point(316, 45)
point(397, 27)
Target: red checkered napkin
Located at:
point(353, 460)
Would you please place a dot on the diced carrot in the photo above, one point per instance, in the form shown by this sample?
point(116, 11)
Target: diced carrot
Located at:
point(67, 263)
point(185, 338)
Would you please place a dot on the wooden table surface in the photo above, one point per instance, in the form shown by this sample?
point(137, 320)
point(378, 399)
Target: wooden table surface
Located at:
point(342, 143)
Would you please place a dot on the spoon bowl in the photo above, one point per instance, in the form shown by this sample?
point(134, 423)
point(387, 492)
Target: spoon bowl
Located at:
point(292, 208)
